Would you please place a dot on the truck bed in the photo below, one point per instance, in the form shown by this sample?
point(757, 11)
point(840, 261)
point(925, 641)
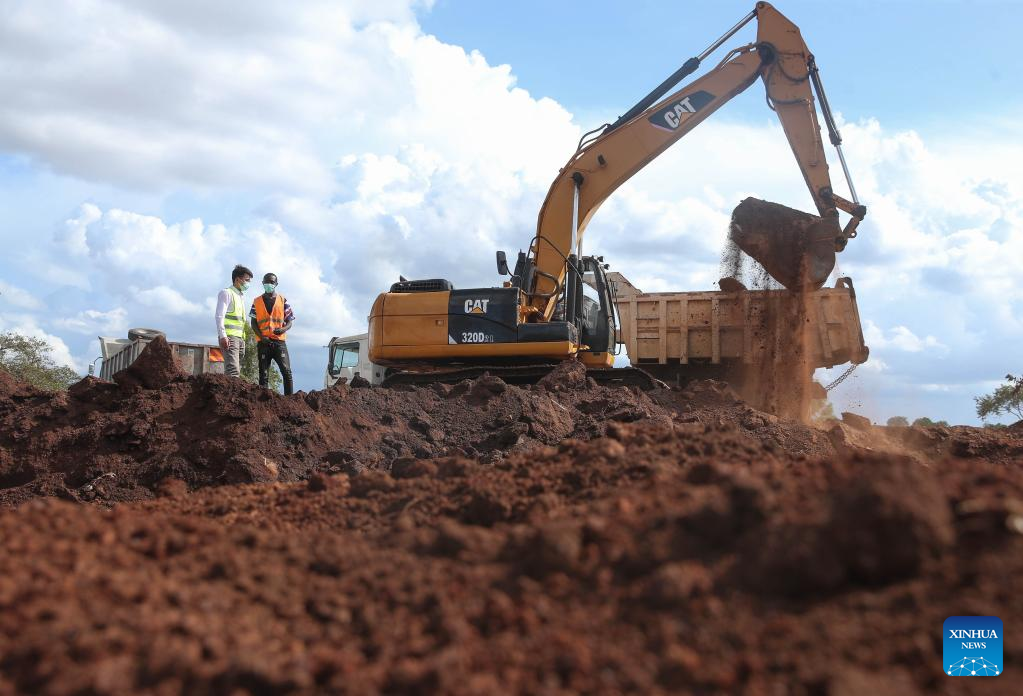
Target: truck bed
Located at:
point(739, 328)
point(193, 358)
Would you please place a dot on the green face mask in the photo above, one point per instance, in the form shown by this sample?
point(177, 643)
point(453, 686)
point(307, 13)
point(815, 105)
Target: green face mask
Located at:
point(268, 288)
point(244, 287)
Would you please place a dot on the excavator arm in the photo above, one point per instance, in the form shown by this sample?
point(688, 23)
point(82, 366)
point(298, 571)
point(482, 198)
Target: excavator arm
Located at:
point(784, 63)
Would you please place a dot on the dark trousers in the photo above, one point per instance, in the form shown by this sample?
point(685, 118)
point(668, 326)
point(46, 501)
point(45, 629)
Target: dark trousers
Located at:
point(278, 352)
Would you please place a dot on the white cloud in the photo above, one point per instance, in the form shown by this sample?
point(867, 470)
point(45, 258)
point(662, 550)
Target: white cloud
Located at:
point(93, 322)
point(240, 95)
point(899, 338)
point(18, 298)
point(163, 301)
point(143, 254)
point(72, 236)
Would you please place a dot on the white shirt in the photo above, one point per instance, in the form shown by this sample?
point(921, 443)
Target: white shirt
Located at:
point(224, 301)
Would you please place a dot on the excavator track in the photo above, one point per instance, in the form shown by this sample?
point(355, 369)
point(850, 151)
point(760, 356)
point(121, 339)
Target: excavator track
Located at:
point(524, 374)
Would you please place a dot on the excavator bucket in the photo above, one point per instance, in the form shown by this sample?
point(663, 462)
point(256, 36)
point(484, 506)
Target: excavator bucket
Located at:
point(796, 248)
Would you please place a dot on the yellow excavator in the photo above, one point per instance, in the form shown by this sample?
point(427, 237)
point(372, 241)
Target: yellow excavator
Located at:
point(558, 303)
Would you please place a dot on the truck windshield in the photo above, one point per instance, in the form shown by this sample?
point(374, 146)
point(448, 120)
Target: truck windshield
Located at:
point(344, 355)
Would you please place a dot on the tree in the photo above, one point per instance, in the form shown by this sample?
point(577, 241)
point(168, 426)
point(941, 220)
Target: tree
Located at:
point(925, 421)
point(29, 360)
point(898, 422)
point(1006, 400)
point(250, 364)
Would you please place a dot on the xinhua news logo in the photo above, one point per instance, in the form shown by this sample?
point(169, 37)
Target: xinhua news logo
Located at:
point(973, 646)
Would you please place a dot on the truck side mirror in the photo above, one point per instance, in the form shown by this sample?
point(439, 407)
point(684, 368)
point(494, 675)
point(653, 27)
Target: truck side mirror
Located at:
point(502, 264)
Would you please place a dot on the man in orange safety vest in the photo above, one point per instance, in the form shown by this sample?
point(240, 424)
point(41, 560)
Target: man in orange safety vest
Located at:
point(271, 317)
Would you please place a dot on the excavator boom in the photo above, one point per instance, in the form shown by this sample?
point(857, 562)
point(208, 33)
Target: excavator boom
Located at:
point(782, 60)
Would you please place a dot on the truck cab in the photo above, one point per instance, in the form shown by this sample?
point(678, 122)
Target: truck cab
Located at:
point(348, 356)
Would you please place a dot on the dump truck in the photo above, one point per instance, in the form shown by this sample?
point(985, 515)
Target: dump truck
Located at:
point(193, 358)
point(761, 342)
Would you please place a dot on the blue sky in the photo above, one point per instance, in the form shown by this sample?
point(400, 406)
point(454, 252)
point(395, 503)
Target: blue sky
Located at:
point(929, 66)
point(146, 147)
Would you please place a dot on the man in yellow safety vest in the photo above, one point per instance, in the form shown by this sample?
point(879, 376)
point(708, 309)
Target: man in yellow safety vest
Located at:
point(271, 317)
point(230, 318)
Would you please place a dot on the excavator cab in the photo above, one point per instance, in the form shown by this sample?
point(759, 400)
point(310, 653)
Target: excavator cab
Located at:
point(587, 303)
point(595, 316)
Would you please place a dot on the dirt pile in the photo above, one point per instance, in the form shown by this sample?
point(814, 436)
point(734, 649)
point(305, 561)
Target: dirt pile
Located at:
point(690, 558)
point(487, 538)
point(13, 391)
point(154, 368)
point(116, 442)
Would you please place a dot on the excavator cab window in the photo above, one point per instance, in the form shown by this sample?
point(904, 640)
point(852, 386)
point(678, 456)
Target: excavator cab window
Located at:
point(597, 316)
point(590, 314)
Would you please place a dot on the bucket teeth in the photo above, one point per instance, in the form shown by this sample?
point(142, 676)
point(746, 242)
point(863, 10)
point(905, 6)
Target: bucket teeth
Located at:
point(796, 248)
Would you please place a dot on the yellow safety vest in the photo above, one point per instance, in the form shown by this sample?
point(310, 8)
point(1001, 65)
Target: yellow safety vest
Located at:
point(234, 319)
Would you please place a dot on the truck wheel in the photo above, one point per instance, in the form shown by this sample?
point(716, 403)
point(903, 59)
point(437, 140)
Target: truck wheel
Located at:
point(144, 334)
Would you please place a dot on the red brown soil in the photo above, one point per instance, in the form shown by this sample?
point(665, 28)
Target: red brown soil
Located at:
point(116, 441)
point(616, 541)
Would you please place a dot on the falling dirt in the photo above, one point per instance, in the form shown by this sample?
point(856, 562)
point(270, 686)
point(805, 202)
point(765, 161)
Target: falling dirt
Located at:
point(782, 381)
point(487, 538)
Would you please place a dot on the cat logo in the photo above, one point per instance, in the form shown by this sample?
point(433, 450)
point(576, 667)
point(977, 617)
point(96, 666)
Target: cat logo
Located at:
point(476, 306)
point(676, 113)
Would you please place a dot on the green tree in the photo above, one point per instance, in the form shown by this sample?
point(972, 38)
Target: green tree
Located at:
point(925, 421)
point(29, 360)
point(1006, 400)
point(898, 422)
point(250, 364)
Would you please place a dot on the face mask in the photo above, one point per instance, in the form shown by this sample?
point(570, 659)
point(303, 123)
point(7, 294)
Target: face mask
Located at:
point(244, 287)
point(268, 288)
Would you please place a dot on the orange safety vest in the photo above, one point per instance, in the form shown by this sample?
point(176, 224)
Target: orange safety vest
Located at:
point(268, 321)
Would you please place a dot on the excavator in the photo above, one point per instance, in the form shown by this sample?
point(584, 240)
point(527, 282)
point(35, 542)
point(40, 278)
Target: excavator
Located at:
point(426, 330)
